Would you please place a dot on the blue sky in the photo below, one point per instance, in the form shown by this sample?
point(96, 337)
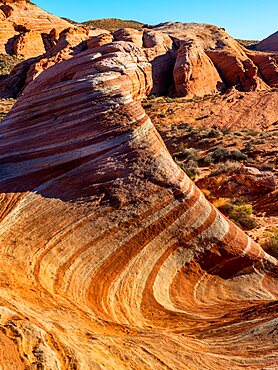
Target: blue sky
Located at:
point(246, 19)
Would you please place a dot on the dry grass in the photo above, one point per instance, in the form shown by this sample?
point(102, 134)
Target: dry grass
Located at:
point(7, 63)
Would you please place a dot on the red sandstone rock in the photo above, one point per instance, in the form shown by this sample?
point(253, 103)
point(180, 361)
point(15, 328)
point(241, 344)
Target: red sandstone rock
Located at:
point(245, 181)
point(129, 34)
point(194, 72)
point(269, 44)
point(21, 17)
point(267, 65)
point(158, 50)
point(236, 71)
point(99, 40)
point(29, 44)
point(107, 247)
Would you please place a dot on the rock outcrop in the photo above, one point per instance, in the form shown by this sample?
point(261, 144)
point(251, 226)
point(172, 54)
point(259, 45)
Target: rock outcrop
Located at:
point(267, 65)
point(188, 60)
point(194, 72)
point(269, 44)
point(24, 27)
point(110, 256)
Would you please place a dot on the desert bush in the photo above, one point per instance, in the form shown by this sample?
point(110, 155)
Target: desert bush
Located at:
point(223, 154)
point(270, 244)
point(186, 153)
point(252, 133)
point(190, 168)
point(248, 146)
point(213, 133)
point(242, 216)
point(151, 96)
point(228, 166)
point(267, 167)
point(225, 130)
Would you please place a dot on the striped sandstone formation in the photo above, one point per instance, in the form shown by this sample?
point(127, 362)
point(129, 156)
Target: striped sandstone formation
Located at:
point(25, 28)
point(111, 258)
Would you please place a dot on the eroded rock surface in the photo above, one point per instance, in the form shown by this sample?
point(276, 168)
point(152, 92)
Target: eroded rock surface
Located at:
point(269, 44)
point(24, 27)
point(111, 257)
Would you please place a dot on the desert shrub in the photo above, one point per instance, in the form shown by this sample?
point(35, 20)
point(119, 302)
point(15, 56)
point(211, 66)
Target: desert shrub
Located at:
point(267, 167)
point(228, 166)
point(242, 216)
point(248, 146)
point(223, 154)
point(213, 133)
point(225, 130)
point(151, 96)
point(190, 168)
point(237, 155)
point(186, 153)
point(240, 213)
point(270, 244)
point(252, 133)
point(238, 133)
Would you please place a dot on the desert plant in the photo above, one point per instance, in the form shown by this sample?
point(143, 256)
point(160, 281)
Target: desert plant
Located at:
point(186, 153)
point(213, 133)
point(190, 168)
point(242, 216)
point(226, 167)
point(270, 244)
point(223, 154)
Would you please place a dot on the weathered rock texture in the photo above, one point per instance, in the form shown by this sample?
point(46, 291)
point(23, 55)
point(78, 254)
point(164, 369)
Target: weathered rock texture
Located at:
point(24, 27)
point(187, 59)
point(269, 44)
point(111, 258)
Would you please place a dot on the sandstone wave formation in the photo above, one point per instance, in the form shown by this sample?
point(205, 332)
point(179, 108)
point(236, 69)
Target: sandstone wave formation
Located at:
point(188, 60)
point(111, 258)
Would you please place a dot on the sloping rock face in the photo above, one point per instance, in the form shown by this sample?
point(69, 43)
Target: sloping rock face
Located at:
point(111, 258)
point(267, 65)
point(194, 72)
point(269, 44)
point(209, 48)
point(24, 27)
point(188, 59)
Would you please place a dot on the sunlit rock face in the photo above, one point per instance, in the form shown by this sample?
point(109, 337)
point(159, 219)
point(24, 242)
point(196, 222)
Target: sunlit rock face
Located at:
point(25, 28)
point(269, 44)
point(111, 258)
point(188, 59)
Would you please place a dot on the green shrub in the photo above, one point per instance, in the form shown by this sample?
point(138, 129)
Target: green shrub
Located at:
point(213, 133)
point(223, 154)
point(186, 153)
point(190, 168)
point(242, 216)
point(270, 244)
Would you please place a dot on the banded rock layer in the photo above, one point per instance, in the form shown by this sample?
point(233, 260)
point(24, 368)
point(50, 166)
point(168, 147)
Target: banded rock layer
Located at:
point(111, 258)
point(25, 28)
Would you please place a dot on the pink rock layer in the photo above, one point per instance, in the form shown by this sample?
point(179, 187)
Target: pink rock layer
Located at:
point(25, 28)
point(111, 258)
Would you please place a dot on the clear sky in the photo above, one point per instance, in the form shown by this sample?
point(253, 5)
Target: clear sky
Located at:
point(246, 19)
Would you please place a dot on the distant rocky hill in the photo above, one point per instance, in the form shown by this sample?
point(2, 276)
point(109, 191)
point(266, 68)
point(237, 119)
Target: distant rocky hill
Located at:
point(269, 44)
point(110, 24)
